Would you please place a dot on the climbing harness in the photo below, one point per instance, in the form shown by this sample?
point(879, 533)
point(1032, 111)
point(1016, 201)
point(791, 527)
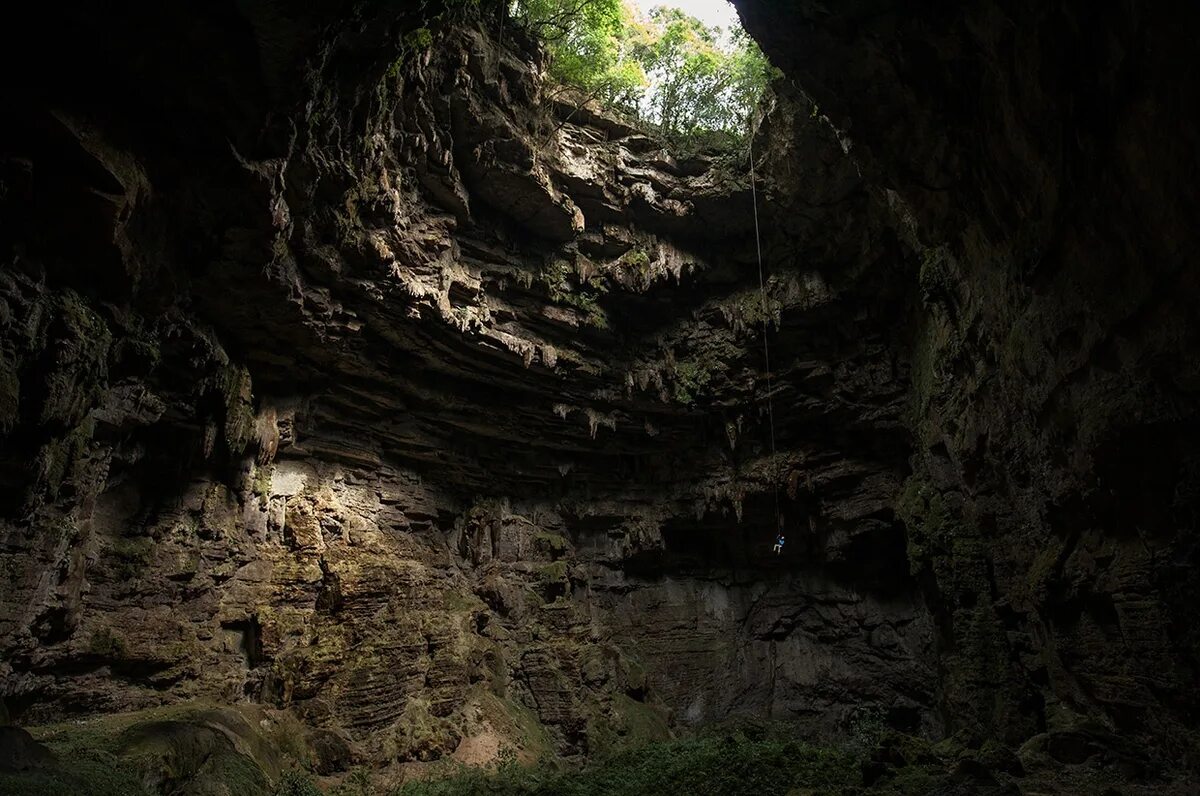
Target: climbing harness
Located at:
point(762, 291)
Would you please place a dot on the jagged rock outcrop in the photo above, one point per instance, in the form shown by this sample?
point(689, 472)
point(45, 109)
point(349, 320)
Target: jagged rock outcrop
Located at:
point(1039, 152)
point(435, 412)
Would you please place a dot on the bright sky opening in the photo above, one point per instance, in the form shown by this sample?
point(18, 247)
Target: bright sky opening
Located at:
point(710, 12)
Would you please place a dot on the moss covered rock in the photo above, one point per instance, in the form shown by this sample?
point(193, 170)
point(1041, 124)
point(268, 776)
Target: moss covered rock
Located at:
point(186, 750)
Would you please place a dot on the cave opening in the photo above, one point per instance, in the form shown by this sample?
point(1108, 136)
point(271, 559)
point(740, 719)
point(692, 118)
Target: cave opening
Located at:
point(384, 391)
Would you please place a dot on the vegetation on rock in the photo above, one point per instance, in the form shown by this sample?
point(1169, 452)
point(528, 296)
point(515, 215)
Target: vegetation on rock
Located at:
point(757, 760)
point(691, 83)
point(191, 748)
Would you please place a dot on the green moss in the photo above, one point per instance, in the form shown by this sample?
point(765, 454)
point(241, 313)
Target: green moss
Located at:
point(593, 313)
point(183, 564)
point(633, 674)
point(938, 538)
point(924, 377)
point(420, 735)
point(930, 526)
point(139, 354)
point(575, 363)
point(640, 722)
point(597, 317)
point(296, 782)
point(458, 602)
point(1021, 350)
point(909, 780)
point(749, 310)
point(731, 764)
point(551, 543)
point(175, 752)
point(89, 775)
point(565, 288)
point(638, 261)
point(637, 258)
point(517, 723)
point(131, 556)
point(182, 748)
point(625, 723)
point(260, 483)
point(357, 783)
point(106, 644)
point(419, 39)
point(866, 725)
point(690, 379)
point(555, 572)
point(1039, 574)
point(239, 412)
point(942, 543)
point(555, 275)
point(415, 41)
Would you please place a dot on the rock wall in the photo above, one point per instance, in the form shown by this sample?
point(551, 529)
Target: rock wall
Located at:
point(350, 368)
point(359, 372)
point(1041, 154)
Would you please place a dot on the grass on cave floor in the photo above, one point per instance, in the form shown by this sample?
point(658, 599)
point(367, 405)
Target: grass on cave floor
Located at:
point(92, 771)
point(87, 760)
point(726, 764)
point(92, 778)
point(110, 755)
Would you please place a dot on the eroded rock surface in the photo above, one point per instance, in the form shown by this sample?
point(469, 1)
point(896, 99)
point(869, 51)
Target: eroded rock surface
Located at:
point(1040, 153)
point(434, 410)
point(377, 380)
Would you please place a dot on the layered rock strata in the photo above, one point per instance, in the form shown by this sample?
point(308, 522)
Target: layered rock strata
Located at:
point(350, 368)
point(432, 406)
point(1042, 156)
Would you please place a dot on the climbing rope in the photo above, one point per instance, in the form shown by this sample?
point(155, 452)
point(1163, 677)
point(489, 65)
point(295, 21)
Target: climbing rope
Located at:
point(762, 291)
point(500, 44)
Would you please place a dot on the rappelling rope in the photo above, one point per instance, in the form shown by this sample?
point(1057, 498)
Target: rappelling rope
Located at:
point(762, 291)
point(500, 46)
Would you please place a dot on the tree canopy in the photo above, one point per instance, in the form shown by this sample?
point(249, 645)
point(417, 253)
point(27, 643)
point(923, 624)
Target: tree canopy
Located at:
point(685, 80)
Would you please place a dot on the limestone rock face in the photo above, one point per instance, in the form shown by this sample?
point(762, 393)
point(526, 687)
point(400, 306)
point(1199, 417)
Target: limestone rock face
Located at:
point(1040, 153)
point(358, 372)
point(428, 402)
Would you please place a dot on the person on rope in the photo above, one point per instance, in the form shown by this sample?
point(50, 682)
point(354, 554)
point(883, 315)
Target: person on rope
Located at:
point(778, 548)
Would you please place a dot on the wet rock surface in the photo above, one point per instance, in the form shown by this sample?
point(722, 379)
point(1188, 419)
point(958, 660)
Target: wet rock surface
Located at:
point(379, 381)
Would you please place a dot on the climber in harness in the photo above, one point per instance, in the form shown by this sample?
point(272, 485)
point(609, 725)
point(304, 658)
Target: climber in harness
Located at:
point(778, 548)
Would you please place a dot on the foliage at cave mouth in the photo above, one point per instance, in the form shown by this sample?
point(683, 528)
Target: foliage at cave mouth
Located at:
point(689, 82)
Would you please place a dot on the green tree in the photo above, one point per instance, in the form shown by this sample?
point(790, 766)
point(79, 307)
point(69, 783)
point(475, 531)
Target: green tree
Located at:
point(689, 82)
point(684, 63)
point(702, 84)
point(588, 41)
point(750, 74)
